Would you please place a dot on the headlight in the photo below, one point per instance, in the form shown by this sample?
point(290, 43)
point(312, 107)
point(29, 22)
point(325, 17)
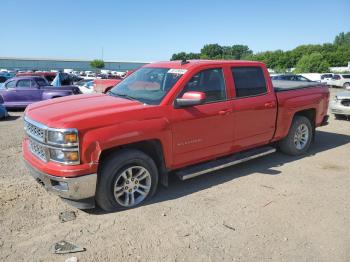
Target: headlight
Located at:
point(63, 156)
point(66, 137)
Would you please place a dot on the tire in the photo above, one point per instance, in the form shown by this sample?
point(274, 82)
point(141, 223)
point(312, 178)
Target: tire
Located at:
point(339, 116)
point(290, 144)
point(346, 85)
point(118, 180)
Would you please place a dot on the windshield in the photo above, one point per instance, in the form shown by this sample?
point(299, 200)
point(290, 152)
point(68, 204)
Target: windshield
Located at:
point(148, 85)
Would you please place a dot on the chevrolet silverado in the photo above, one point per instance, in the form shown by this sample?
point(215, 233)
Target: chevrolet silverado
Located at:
point(183, 118)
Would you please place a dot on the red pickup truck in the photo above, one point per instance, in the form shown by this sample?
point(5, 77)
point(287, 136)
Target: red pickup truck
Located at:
point(183, 118)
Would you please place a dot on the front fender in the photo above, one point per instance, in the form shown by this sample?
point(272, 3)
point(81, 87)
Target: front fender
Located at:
point(104, 138)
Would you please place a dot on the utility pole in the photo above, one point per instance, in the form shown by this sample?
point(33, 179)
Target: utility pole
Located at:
point(102, 53)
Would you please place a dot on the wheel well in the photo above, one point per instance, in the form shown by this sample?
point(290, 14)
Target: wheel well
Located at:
point(308, 113)
point(152, 148)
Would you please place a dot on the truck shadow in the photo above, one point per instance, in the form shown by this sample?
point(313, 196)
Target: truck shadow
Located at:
point(266, 165)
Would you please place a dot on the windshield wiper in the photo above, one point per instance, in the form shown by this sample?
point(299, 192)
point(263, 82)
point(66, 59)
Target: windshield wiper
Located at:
point(122, 95)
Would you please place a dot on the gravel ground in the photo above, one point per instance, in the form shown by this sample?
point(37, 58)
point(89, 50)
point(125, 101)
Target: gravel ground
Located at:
point(277, 208)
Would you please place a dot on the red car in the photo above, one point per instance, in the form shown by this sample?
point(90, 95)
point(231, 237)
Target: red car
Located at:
point(183, 118)
point(49, 76)
point(104, 85)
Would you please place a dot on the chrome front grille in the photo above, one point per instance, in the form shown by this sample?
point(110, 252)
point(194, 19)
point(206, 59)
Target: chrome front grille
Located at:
point(345, 102)
point(34, 131)
point(40, 147)
point(38, 150)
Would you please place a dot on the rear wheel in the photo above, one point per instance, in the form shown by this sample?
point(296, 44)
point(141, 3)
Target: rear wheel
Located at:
point(339, 116)
point(346, 85)
point(127, 178)
point(299, 137)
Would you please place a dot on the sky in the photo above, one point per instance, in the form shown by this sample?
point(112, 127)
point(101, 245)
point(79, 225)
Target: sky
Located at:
point(152, 30)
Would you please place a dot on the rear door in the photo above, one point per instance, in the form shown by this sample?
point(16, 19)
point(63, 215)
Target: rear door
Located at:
point(255, 107)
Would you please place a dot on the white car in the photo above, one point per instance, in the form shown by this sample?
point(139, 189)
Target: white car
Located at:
point(326, 78)
point(340, 106)
point(86, 86)
point(340, 81)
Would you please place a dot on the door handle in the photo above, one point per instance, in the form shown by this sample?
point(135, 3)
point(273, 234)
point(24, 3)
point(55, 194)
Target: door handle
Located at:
point(271, 104)
point(225, 112)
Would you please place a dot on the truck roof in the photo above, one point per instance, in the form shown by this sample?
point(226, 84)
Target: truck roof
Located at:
point(194, 63)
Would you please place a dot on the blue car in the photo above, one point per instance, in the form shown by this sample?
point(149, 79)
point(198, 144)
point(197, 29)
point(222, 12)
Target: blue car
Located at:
point(3, 112)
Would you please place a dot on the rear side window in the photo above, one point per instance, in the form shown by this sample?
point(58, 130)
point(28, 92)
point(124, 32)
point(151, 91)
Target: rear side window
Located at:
point(26, 83)
point(249, 81)
point(346, 76)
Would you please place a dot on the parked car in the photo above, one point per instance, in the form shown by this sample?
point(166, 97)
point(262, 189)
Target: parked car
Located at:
point(290, 78)
point(19, 92)
point(340, 106)
point(3, 111)
point(325, 78)
point(183, 118)
point(86, 86)
point(104, 85)
point(339, 80)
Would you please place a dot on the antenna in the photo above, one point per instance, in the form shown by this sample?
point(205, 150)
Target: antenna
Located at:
point(184, 61)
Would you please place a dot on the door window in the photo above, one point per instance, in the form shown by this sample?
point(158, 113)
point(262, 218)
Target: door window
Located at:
point(211, 82)
point(249, 81)
point(25, 83)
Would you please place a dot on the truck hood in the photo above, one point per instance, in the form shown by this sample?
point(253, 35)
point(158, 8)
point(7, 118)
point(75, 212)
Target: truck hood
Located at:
point(74, 111)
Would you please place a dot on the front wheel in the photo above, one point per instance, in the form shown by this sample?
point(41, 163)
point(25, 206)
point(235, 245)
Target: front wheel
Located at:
point(299, 137)
point(127, 178)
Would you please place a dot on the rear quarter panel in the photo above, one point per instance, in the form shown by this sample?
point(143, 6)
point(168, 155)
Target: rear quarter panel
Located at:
point(48, 94)
point(293, 101)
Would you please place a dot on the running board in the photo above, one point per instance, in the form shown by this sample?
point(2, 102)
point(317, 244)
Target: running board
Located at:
point(200, 169)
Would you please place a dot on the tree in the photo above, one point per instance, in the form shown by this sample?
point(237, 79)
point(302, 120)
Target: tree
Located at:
point(97, 64)
point(312, 63)
point(236, 52)
point(333, 54)
point(184, 56)
point(342, 39)
point(211, 51)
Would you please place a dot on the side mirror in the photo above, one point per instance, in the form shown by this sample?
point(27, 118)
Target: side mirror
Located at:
point(191, 98)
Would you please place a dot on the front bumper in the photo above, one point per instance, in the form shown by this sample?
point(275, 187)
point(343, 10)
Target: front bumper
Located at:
point(339, 109)
point(79, 189)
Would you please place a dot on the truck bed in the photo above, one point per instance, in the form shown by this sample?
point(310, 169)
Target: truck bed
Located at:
point(284, 85)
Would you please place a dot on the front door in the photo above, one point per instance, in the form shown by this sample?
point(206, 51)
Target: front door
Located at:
point(27, 91)
point(204, 131)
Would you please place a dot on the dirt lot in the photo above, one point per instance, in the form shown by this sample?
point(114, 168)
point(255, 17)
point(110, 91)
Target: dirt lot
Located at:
point(277, 208)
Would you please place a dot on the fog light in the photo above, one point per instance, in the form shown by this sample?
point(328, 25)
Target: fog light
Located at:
point(59, 185)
